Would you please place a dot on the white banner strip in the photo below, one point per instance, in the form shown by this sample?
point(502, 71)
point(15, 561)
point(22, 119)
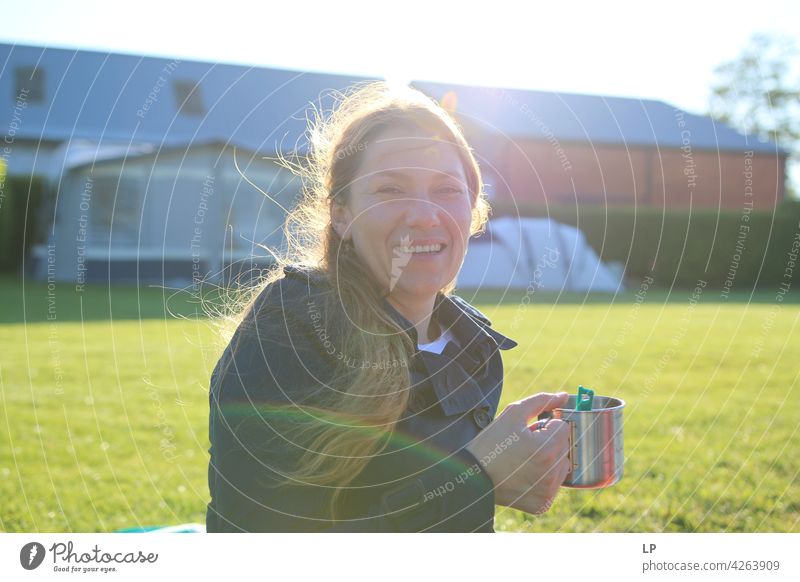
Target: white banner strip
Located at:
point(349, 557)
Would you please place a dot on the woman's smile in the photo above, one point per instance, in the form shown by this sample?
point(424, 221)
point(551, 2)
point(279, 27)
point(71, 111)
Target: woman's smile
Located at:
point(422, 250)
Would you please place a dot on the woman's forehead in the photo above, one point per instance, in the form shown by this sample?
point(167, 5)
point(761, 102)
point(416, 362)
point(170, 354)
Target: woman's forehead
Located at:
point(401, 151)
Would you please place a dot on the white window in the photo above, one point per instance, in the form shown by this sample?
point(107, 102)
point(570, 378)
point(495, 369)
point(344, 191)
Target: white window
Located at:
point(257, 217)
point(115, 207)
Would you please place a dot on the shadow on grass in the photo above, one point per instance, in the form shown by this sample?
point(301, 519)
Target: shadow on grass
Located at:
point(33, 302)
point(654, 296)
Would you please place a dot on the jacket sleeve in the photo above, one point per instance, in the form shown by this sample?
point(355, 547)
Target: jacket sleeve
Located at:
point(281, 364)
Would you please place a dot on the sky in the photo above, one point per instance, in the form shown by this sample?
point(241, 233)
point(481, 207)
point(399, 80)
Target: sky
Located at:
point(665, 51)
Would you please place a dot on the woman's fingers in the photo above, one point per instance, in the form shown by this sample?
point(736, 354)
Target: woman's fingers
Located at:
point(551, 446)
point(553, 438)
point(529, 473)
point(529, 408)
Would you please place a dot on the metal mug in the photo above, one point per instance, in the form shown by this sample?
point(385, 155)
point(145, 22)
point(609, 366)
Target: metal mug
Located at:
point(595, 442)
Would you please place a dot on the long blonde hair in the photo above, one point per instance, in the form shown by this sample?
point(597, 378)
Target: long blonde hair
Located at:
point(368, 400)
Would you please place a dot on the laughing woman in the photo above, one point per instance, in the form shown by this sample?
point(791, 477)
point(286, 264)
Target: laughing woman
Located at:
point(358, 393)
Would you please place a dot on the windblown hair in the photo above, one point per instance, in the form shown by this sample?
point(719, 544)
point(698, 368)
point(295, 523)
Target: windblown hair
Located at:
point(367, 401)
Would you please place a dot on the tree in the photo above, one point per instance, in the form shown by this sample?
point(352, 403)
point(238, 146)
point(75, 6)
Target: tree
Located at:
point(759, 93)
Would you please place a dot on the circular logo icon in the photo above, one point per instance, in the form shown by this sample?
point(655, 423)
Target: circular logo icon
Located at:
point(31, 555)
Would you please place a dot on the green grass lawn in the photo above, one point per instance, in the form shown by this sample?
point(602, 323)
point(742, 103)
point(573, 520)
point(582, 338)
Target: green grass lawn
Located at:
point(103, 410)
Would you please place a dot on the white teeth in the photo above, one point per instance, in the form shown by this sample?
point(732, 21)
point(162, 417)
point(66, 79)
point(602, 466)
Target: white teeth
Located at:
point(421, 249)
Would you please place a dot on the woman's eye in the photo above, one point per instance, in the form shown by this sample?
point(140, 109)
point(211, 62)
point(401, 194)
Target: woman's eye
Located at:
point(450, 190)
point(389, 190)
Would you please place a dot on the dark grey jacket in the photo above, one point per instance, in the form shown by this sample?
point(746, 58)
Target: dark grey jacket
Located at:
point(425, 480)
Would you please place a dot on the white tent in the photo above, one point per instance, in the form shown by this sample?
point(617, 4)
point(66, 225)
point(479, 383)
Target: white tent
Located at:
point(536, 253)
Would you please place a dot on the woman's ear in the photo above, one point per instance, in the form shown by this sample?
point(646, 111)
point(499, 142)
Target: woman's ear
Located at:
point(340, 219)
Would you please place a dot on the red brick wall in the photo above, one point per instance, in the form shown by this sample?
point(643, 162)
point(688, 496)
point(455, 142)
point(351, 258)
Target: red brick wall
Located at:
point(610, 174)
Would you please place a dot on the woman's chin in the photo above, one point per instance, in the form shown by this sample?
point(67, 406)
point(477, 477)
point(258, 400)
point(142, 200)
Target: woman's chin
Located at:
point(419, 288)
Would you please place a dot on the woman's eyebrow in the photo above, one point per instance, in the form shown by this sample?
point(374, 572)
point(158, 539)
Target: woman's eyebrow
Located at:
point(399, 174)
point(389, 174)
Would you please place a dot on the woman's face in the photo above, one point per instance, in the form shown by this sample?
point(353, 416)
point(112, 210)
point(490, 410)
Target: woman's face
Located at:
point(409, 213)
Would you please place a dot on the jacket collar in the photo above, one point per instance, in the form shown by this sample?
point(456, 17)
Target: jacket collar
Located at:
point(459, 374)
point(464, 386)
point(468, 325)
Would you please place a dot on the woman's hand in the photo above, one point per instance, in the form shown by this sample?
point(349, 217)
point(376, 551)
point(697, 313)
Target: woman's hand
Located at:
point(526, 466)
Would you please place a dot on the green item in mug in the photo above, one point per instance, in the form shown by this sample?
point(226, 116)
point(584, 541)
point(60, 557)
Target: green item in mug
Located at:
point(585, 398)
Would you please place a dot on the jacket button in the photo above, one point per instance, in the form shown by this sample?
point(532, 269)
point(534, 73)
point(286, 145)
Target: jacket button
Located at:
point(481, 417)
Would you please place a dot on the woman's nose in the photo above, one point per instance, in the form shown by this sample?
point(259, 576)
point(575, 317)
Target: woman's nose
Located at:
point(422, 213)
